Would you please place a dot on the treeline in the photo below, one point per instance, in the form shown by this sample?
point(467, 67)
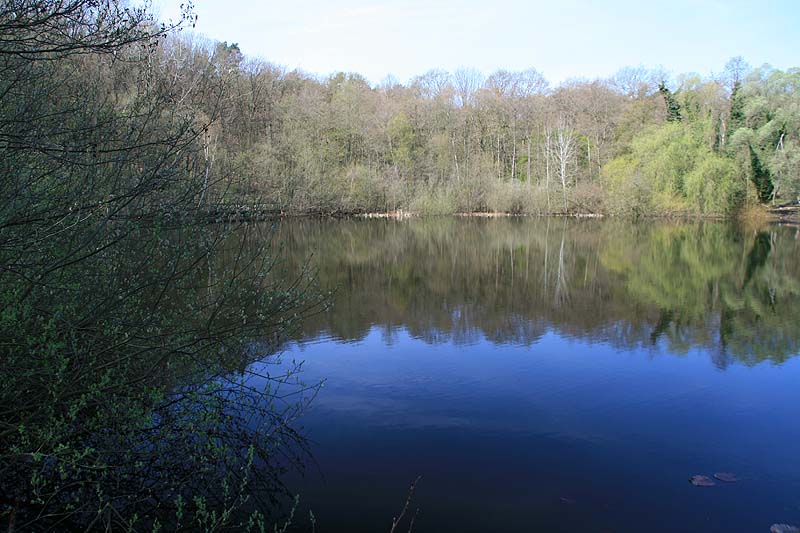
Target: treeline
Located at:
point(639, 142)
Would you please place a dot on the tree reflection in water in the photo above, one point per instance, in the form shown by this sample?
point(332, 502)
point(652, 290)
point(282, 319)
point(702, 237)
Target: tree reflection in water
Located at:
point(732, 290)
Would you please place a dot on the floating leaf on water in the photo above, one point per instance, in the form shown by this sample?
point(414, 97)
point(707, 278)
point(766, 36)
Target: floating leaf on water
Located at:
point(701, 481)
point(727, 477)
point(784, 528)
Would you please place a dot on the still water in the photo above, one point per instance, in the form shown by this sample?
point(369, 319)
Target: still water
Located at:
point(551, 375)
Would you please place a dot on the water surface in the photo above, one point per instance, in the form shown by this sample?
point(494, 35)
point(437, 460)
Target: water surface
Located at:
point(551, 375)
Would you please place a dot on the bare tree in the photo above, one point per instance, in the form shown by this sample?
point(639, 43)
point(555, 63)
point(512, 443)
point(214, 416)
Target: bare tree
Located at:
point(466, 81)
point(734, 72)
point(564, 151)
point(547, 148)
point(633, 82)
point(433, 84)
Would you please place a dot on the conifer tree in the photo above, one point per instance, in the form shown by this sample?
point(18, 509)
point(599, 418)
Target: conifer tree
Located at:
point(737, 108)
point(673, 108)
point(760, 177)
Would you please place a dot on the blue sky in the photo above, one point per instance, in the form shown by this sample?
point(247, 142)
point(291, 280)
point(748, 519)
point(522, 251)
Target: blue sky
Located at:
point(561, 38)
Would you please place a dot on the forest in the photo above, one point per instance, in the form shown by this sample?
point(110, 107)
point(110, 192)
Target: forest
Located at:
point(641, 142)
point(644, 141)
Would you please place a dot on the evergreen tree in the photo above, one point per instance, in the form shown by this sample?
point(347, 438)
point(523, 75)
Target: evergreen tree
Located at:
point(673, 108)
point(737, 108)
point(760, 177)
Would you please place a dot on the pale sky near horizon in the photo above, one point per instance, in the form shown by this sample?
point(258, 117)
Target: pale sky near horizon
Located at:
point(560, 38)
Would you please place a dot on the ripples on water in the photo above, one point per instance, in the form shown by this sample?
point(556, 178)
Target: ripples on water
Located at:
point(552, 375)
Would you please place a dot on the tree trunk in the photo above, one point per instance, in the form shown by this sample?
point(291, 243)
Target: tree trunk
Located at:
point(547, 167)
point(514, 152)
point(530, 181)
point(589, 156)
point(455, 159)
point(499, 174)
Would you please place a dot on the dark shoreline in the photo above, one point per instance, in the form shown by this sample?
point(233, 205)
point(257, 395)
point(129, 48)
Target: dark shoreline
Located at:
point(784, 215)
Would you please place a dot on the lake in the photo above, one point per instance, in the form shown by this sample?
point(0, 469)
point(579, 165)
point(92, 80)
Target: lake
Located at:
point(551, 374)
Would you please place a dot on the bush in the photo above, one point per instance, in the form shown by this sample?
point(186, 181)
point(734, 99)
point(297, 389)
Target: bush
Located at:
point(128, 322)
point(712, 186)
point(671, 170)
point(431, 200)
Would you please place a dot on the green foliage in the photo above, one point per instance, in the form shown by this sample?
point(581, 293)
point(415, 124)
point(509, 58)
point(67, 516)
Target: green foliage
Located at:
point(402, 141)
point(670, 168)
point(671, 103)
point(714, 186)
point(338, 145)
point(760, 176)
point(737, 116)
point(627, 191)
point(767, 136)
point(128, 343)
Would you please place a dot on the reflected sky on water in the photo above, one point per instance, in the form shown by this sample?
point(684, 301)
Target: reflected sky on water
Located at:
point(552, 375)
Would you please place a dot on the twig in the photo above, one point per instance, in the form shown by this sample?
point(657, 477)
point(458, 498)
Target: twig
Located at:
point(413, 518)
point(396, 521)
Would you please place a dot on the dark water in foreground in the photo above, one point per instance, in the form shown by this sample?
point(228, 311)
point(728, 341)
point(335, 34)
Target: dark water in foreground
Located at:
point(552, 375)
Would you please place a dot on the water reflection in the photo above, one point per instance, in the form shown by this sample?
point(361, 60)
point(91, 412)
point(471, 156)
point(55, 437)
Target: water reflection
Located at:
point(521, 364)
point(732, 291)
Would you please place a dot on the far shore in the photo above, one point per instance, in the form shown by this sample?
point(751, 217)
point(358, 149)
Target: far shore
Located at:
point(784, 214)
point(400, 214)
